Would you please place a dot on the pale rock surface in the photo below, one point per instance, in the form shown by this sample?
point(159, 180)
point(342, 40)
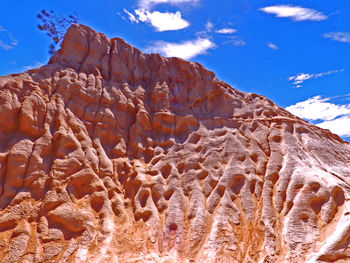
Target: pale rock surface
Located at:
point(111, 155)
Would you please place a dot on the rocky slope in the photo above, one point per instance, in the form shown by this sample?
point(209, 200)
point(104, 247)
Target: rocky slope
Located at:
point(111, 155)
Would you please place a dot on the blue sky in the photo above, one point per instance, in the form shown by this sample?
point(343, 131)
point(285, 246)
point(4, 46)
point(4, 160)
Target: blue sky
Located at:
point(295, 53)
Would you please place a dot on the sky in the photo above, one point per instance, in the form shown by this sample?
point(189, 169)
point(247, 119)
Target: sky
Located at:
point(295, 53)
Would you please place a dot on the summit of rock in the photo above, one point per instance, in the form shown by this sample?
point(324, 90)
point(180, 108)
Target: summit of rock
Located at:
point(108, 154)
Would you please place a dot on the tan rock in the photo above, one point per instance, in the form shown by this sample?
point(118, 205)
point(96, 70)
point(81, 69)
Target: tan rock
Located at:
point(111, 155)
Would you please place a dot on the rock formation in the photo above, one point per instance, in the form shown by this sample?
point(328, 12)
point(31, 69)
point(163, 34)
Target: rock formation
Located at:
point(111, 155)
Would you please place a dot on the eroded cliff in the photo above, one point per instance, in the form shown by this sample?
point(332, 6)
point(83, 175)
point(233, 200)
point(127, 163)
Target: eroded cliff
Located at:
point(111, 155)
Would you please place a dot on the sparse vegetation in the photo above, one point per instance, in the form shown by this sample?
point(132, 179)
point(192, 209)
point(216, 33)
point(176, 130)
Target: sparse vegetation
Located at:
point(55, 26)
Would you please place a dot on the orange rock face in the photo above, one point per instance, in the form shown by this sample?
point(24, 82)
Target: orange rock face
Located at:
point(111, 155)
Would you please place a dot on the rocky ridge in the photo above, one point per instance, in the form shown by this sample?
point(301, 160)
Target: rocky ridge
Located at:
point(108, 154)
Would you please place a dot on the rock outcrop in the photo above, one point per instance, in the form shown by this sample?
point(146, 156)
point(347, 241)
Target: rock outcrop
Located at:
point(111, 155)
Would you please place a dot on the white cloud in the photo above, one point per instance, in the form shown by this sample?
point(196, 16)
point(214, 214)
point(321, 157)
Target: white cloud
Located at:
point(226, 31)
point(301, 77)
point(147, 4)
point(162, 21)
point(185, 50)
point(296, 13)
point(324, 113)
point(340, 126)
point(338, 36)
point(318, 108)
point(272, 46)
point(132, 18)
point(10, 41)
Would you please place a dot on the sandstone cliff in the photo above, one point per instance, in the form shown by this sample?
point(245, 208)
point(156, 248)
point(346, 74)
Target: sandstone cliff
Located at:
point(111, 155)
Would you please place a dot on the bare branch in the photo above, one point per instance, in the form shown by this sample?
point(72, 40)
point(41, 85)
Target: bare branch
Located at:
point(55, 26)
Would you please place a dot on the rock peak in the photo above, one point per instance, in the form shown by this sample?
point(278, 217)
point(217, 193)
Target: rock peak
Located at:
point(84, 49)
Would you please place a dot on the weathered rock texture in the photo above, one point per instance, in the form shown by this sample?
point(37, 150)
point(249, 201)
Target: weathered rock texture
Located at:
point(111, 155)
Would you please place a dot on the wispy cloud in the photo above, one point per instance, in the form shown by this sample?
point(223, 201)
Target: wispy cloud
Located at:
point(209, 26)
point(185, 50)
point(34, 65)
point(235, 41)
point(226, 31)
point(123, 17)
point(301, 77)
point(338, 36)
point(296, 13)
point(324, 113)
point(147, 4)
point(7, 41)
point(5, 46)
point(131, 17)
point(272, 46)
point(160, 21)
